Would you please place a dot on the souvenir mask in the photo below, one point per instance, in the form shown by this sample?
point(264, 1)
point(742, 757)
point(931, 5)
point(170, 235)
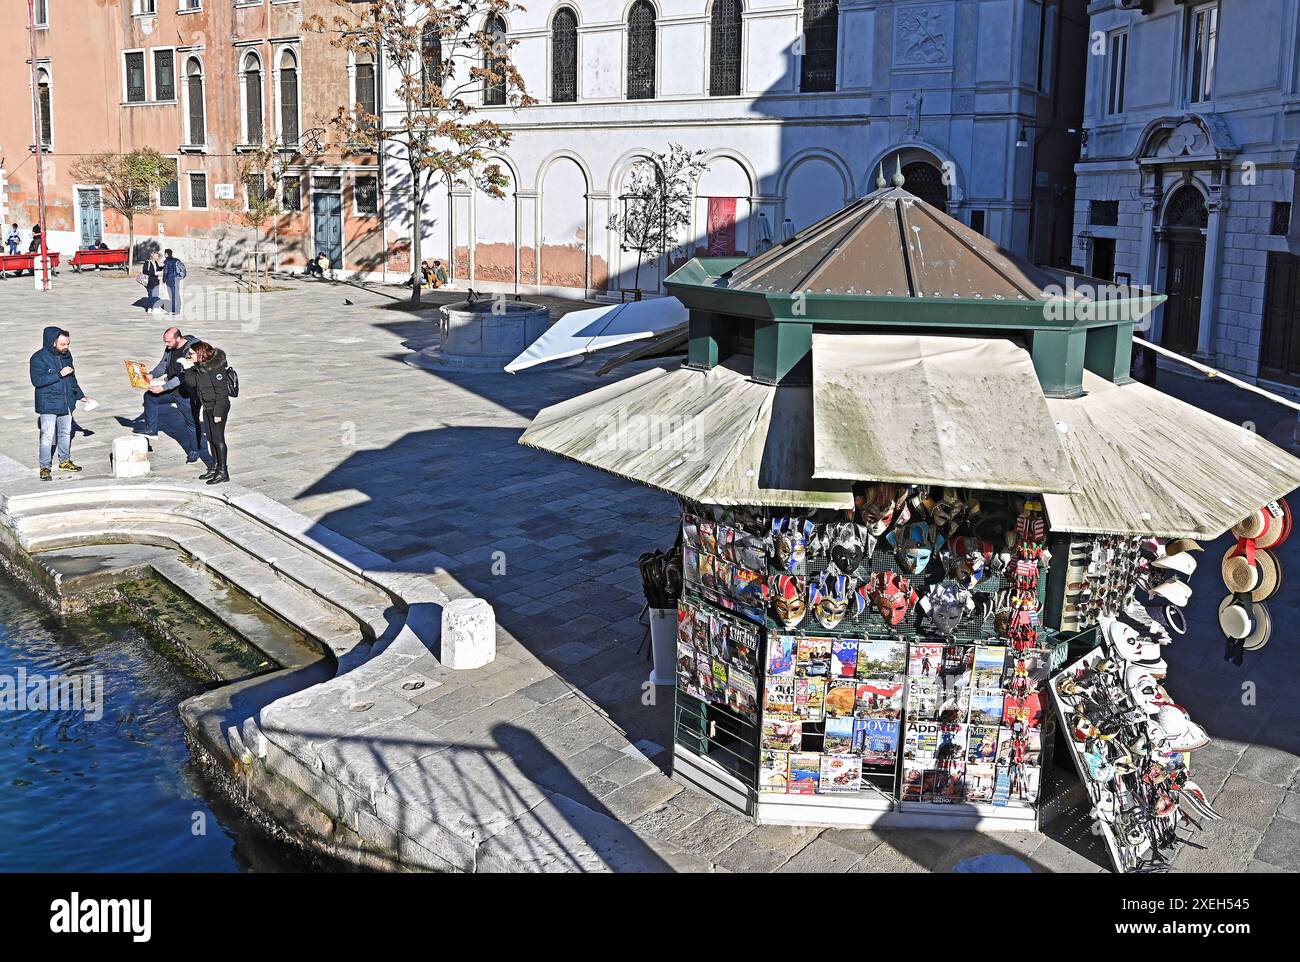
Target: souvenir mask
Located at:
point(951, 510)
point(1143, 690)
point(916, 546)
point(875, 507)
point(893, 596)
point(849, 544)
point(946, 604)
point(788, 599)
point(830, 600)
point(789, 545)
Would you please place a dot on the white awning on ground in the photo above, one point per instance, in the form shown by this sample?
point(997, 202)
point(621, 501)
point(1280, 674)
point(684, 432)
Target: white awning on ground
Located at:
point(963, 411)
point(582, 332)
point(711, 436)
point(1148, 463)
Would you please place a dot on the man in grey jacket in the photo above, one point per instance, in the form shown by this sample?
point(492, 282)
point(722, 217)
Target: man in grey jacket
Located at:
point(167, 389)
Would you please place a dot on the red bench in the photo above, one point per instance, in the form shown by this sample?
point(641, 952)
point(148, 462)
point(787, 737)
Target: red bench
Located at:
point(17, 263)
point(94, 257)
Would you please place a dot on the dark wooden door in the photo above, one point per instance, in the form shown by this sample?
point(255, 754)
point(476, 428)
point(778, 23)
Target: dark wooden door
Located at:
point(1279, 351)
point(1183, 285)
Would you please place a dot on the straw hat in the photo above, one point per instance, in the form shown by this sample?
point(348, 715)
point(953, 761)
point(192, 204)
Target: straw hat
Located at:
point(1253, 628)
point(1268, 527)
point(1179, 545)
point(1261, 579)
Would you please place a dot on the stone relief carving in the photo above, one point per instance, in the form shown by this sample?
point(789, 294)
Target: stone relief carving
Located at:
point(922, 38)
point(1186, 140)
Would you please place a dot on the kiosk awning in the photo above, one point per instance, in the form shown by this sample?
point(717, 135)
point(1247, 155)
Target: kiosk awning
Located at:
point(1147, 463)
point(581, 332)
point(963, 411)
point(715, 437)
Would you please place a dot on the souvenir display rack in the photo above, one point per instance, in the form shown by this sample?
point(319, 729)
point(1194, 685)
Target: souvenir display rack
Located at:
point(855, 720)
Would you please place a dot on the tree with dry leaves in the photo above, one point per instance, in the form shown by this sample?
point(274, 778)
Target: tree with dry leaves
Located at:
point(443, 59)
point(127, 183)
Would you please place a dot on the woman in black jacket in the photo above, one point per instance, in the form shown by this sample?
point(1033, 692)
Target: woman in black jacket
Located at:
point(208, 381)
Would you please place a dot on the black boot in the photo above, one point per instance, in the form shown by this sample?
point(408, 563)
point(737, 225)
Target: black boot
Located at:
point(210, 473)
point(221, 475)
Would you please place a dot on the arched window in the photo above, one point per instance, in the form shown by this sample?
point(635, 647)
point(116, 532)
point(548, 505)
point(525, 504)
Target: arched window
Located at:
point(641, 51)
point(926, 182)
point(194, 99)
point(252, 99)
point(430, 59)
point(821, 38)
point(43, 106)
point(366, 97)
point(288, 98)
point(724, 49)
point(494, 59)
point(564, 57)
point(1186, 210)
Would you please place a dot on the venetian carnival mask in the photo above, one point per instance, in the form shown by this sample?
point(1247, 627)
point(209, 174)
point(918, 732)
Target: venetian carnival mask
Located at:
point(893, 596)
point(914, 546)
point(788, 603)
point(830, 600)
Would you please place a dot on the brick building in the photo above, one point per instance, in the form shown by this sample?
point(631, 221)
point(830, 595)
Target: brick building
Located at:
point(202, 81)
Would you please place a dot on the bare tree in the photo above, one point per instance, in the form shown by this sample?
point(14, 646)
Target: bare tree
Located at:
point(655, 207)
point(261, 172)
point(127, 182)
point(445, 58)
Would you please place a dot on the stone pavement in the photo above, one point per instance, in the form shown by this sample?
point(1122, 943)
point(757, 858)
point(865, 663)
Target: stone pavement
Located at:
point(423, 468)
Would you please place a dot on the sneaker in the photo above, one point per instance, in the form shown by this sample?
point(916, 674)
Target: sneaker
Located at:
point(68, 466)
point(191, 457)
point(45, 474)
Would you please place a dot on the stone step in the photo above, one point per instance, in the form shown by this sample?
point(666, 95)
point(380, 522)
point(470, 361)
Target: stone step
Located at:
point(274, 637)
point(354, 595)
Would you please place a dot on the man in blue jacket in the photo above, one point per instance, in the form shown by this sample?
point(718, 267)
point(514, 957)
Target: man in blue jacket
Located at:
point(57, 394)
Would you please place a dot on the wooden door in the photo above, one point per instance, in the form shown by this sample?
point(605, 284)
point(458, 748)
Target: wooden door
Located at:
point(1183, 285)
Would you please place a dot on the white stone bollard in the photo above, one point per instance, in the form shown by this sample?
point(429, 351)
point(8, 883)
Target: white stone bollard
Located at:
point(130, 457)
point(469, 633)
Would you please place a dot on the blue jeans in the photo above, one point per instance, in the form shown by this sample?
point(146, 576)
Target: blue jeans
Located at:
point(151, 297)
point(192, 438)
point(173, 292)
point(50, 424)
point(13, 247)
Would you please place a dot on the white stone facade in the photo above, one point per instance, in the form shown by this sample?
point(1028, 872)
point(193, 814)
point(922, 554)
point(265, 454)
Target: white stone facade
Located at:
point(1233, 141)
point(951, 83)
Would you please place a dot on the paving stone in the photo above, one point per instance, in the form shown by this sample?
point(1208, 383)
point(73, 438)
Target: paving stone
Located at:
point(1281, 845)
point(821, 856)
point(634, 799)
point(1267, 765)
point(1247, 802)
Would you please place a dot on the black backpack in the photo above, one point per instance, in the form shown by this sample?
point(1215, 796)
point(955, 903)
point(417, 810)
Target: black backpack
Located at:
point(232, 382)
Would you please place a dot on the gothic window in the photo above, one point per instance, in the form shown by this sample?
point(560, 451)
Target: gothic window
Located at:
point(494, 90)
point(641, 51)
point(289, 98)
point(43, 107)
point(430, 57)
point(564, 57)
point(252, 99)
point(724, 49)
point(194, 96)
point(821, 37)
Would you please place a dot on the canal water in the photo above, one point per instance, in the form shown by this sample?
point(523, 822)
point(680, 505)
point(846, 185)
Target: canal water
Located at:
point(119, 792)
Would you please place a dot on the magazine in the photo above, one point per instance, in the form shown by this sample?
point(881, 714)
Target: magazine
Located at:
point(924, 660)
point(704, 676)
point(805, 773)
point(952, 746)
point(774, 771)
point(979, 782)
point(744, 645)
point(720, 638)
point(691, 565)
point(841, 695)
point(913, 781)
point(949, 784)
point(841, 773)
point(989, 660)
point(686, 669)
point(877, 740)
point(719, 679)
point(742, 693)
point(986, 707)
point(981, 744)
point(810, 698)
point(701, 631)
point(780, 654)
point(922, 700)
point(879, 699)
point(839, 736)
point(881, 659)
point(1028, 710)
point(780, 735)
point(685, 625)
point(844, 658)
point(813, 658)
point(954, 705)
point(747, 588)
point(778, 698)
point(920, 740)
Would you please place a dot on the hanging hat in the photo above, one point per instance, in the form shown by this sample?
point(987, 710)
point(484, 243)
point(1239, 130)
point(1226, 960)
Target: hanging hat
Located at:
point(1248, 568)
point(1179, 545)
point(1182, 562)
point(1245, 622)
point(1268, 527)
point(1173, 591)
